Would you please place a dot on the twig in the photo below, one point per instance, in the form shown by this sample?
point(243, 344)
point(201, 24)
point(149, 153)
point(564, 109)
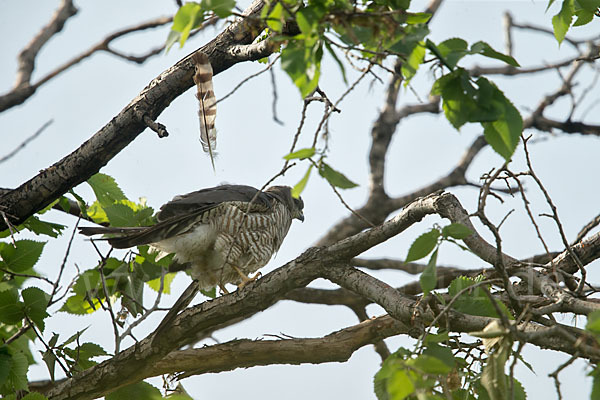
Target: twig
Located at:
point(28, 55)
point(554, 375)
point(587, 228)
point(63, 264)
point(268, 67)
point(48, 348)
point(10, 226)
point(108, 306)
point(27, 276)
point(154, 307)
point(561, 231)
point(274, 102)
point(344, 202)
point(159, 128)
point(26, 141)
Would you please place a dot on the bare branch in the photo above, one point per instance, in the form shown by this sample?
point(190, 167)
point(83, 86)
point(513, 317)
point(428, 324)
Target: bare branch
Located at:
point(22, 92)
point(335, 347)
point(30, 52)
point(587, 228)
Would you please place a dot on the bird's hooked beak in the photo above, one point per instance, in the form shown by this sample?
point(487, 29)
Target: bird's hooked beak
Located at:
point(300, 217)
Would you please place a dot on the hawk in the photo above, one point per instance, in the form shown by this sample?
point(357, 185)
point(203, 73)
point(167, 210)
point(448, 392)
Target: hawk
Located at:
point(220, 234)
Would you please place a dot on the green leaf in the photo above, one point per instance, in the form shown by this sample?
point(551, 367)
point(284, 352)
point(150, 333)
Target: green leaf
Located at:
point(456, 231)
point(417, 18)
point(453, 50)
point(562, 21)
point(486, 50)
point(84, 353)
point(154, 284)
point(588, 5)
point(5, 364)
point(474, 301)
point(79, 305)
point(441, 353)
point(593, 323)
point(385, 375)
point(583, 17)
point(11, 311)
point(131, 284)
point(423, 245)
point(97, 213)
point(140, 390)
point(503, 135)
point(400, 386)
point(301, 60)
point(22, 256)
point(458, 97)
point(120, 214)
point(39, 227)
point(35, 396)
point(35, 303)
point(413, 62)
point(104, 186)
point(337, 61)
point(335, 178)
point(89, 350)
point(17, 376)
point(88, 283)
point(301, 154)
point(74, 337)
point(596, 383)
point(430, 365)
point(212, 293)
point(222, 8)
point(493, 377)
point(188, 17)
point(80, 202)
point(50, 360)
point(309, 18)
point(172, 38)
point(408, 39)
point(428, 278)
point(275, 20)
point(299, 187)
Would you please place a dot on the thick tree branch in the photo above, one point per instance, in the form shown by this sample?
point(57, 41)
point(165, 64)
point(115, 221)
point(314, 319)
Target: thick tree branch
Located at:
point(548, 125)
point(411, 312)
point(78, 166)
point(335, 347)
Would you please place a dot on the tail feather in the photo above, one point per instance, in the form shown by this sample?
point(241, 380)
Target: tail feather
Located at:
point(181, 304)
point(207, 103)
point(125, 237)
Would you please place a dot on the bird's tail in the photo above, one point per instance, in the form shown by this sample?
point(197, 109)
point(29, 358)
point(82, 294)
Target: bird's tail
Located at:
point(97, 230)
point(182, 302)
point(122, 237)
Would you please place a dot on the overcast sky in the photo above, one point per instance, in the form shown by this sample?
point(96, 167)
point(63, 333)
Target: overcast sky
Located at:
point(250, 147)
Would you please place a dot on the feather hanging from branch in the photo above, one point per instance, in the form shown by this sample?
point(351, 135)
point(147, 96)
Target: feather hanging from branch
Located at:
point(207, 102)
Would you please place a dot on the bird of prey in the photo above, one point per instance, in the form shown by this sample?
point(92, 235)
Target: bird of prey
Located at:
point(220, 234)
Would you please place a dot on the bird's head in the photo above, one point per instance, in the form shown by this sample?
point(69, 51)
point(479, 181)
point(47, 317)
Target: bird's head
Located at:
point(284, 194)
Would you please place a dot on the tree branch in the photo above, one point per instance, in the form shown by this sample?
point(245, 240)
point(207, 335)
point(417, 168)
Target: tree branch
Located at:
point(22, 92)
point(27, 56)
